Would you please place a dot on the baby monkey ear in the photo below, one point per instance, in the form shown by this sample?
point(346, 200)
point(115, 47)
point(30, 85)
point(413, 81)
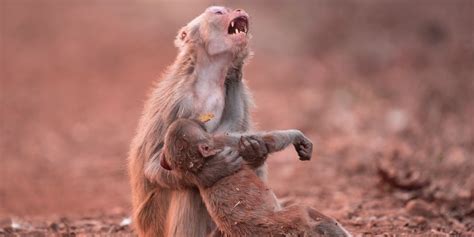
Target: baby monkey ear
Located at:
point(164, 163)
point(206, 150)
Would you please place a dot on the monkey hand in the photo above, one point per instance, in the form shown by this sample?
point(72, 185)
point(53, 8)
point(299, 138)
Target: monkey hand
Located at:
point(304, 147)
point(223, 164)
point(253, 150)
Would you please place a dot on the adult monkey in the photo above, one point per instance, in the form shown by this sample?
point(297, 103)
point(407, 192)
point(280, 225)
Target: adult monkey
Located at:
point(204, 81)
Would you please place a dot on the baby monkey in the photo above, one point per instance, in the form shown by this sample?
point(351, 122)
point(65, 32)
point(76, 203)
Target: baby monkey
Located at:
point(241, 204)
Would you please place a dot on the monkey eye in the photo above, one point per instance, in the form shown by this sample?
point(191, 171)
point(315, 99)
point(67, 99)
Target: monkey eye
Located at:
point(217, 10)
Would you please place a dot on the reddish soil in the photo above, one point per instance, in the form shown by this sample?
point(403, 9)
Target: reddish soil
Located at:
point(385, 90)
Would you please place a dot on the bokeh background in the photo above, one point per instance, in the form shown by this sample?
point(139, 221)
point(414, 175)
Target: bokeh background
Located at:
point(385, 89)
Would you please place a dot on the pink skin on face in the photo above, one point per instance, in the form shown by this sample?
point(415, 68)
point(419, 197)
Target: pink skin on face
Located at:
point(234, 22)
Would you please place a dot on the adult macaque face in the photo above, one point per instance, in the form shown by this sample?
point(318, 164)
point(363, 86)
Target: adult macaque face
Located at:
point(218, 29)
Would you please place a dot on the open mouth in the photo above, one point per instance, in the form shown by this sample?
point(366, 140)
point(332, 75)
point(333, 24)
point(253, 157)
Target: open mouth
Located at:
point(239, 24)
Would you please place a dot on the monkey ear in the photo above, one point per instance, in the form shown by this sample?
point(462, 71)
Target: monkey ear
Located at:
point(164, 163)
point(206, 150)
point(189, 33)
point(181, 38)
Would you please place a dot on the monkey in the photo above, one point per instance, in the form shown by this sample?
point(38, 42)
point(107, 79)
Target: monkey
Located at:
point(205, 79)
point(241, 204)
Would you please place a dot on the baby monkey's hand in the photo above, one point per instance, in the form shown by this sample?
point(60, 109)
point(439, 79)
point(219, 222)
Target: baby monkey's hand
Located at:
point(253, 150)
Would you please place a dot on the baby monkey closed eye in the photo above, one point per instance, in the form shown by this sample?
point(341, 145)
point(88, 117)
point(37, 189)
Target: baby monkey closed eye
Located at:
point(240, 203)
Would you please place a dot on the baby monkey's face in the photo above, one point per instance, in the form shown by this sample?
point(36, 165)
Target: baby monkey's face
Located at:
point(219, 29)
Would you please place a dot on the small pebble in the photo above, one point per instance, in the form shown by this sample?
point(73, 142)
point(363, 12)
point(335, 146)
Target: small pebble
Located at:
point(420, 208)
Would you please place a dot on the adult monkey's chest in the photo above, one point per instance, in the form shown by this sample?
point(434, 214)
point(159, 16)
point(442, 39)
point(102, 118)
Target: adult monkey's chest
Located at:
point(209, 102)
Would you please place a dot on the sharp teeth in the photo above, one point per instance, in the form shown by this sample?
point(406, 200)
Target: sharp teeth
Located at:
point(232, 24)
point(236, 30)
point(245, 29)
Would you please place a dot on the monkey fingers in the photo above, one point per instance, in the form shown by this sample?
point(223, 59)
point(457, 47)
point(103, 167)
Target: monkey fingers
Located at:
point(253, 150)
point(231, 157)
point(225, 163)
point(244, 148)
point(259, 146)
point(230, 160)
point(304, 150)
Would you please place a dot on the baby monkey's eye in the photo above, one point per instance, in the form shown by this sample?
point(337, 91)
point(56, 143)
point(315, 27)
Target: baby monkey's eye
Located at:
point(218, 12)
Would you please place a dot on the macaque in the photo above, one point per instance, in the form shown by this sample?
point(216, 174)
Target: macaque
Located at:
point(206, 78)
point(240, 203)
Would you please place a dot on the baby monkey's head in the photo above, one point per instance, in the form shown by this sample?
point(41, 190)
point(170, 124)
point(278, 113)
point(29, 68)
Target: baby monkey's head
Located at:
point(218, 30)
point(187, 145)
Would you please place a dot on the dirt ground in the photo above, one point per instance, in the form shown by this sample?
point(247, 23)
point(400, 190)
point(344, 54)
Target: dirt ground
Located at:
point(385, 89)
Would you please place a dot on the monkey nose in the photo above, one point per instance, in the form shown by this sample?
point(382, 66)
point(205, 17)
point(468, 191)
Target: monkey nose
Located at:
point(240, 11)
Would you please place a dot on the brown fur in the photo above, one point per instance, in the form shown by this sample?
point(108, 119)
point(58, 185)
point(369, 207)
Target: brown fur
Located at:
point(240, 203)
point(208, 61)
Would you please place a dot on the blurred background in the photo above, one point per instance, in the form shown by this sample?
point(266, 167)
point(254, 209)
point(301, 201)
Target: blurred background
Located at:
point(385, 89)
